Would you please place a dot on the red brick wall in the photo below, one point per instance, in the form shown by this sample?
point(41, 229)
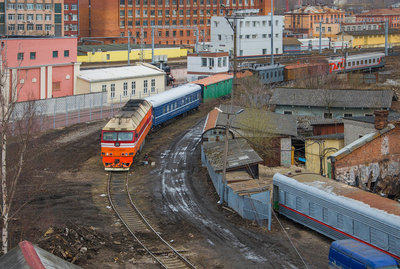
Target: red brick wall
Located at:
point(372, 151)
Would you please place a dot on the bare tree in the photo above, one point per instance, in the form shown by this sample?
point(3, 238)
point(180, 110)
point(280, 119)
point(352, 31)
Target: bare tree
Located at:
point(16, 127)
point(251, 92)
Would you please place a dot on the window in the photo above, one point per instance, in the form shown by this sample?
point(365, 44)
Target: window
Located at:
point(32, 55)
point(21, 27)
point(66, 17)
point(347, 115)
point(203, 62)
point(153, 85)
point(219, 62)
point(104, 88)
point(66, 6)
point(39, 17)
point(112, 92)
point(211, 62)
point(29, 6)
point(11, 6)
point(21, 17)
point(20, 6)
point(108, 57)
point(29, 27)
point(66, 53)
point(47, 6)
point(133, 88)
point(20, 56)
point(55, 54)
point(287, 112)
point(125, 92)
point(39, 6)
point(74, 17)
point(47, 27)
point(224, 61)
point(47, 17)
point(145, 86)
point(327, 115)
point(39, 27)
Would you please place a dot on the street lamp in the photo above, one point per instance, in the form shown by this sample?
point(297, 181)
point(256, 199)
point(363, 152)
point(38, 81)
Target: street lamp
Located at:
point(227, 127)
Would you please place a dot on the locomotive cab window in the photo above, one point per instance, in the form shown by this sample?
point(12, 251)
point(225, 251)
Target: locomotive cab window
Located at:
point(117, 136)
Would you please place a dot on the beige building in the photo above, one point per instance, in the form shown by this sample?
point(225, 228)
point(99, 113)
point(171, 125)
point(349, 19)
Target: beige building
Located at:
point(32, 17)
point(318, 149)
point(122, 83)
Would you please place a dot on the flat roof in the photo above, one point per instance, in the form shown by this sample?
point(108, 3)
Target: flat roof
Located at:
point(118, 73)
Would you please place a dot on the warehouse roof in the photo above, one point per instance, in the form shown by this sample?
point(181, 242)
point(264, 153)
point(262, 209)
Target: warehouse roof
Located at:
point(118, 73)
point(213, 79)
point(29, 256)
point(116, 47)
point(240, 154)
point(275, 123)
point(332, 98)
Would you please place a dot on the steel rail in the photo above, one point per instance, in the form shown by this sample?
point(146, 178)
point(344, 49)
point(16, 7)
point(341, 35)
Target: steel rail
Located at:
point(139, 215)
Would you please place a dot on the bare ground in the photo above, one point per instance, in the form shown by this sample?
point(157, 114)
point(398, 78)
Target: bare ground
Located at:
point(67, 210)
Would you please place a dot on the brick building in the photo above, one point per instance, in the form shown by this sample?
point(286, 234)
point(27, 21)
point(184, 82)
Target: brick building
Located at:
point(381, 15)
point(40, 68)
point(176, 19)
point(31, 17)
point(372, 162)
point(305, 20)
point(71, 18)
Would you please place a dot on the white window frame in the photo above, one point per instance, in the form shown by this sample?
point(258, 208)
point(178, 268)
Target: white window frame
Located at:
point(125, 92)
point(112, 91)
point(153, 85)
point(145, 86)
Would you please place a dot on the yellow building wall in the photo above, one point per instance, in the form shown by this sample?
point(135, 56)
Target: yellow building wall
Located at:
point(373, 41)
point(335, 29)
point(135, 55)
point(315, 148)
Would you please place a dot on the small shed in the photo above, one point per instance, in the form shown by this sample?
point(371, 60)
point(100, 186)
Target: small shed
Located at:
point(215, 86)
point(29, 256)
point(291, 45)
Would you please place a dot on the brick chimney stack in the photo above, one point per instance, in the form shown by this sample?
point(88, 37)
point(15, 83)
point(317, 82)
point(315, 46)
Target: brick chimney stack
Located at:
point(381, 119)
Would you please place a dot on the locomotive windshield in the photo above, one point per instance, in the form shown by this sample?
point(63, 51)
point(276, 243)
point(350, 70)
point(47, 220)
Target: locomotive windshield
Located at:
point(117, 136)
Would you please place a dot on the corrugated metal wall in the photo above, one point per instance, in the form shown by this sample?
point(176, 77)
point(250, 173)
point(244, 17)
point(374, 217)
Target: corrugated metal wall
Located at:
point(253, 207)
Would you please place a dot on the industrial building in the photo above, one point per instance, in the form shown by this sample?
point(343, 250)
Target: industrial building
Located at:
point(175, 21)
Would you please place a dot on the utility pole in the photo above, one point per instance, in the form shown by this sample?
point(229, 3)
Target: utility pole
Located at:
point(233, 25)
point(320, 37)
point(129, 47)
point(386, 37)
point(272, 32)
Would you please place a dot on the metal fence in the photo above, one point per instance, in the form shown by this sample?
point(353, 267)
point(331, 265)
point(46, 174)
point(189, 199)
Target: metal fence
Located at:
point(64, 111)
point(255, 206)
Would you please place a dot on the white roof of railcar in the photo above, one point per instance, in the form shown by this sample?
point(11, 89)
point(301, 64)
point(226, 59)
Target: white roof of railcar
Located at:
point(359, 56)
point(118, 73)
point(357, 200)
point(172, 94)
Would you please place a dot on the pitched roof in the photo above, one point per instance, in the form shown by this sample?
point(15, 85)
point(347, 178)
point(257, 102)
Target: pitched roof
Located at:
point(321, 121)
point(240, 154)
point(213, 79)
point(360, 142)
point(382, 11)
point(332, 98)
point(393, 116)
point(29, 256)
point(276, 124)
point(327, 136)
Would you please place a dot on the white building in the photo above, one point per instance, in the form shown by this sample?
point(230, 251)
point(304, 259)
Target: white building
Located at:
point(204, 64)
point(253, 35)
point(122, 83)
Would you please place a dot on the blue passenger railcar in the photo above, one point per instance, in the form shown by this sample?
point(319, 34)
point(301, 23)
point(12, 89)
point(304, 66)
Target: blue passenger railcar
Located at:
point(331, 208)
point(174, 102)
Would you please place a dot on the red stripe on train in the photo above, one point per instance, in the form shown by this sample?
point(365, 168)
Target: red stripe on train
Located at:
point(346, 234)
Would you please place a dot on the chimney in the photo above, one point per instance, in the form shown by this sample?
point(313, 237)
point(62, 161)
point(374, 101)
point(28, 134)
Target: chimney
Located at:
point(381, 119)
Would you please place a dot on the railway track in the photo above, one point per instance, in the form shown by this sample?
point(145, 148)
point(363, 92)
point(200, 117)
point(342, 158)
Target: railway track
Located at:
point(139, 227)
